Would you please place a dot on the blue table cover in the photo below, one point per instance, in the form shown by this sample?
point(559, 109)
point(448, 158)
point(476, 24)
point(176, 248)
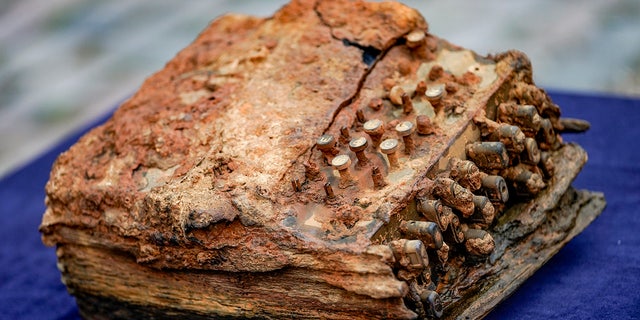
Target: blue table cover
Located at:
point(596, 276)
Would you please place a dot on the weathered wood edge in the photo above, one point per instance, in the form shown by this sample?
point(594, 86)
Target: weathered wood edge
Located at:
point(109, 284)
point(584, 209)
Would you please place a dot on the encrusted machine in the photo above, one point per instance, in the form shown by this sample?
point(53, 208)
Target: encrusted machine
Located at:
point(334, 161)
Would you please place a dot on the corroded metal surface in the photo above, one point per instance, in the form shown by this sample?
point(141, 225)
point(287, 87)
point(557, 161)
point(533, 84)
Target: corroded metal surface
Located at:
point(338, 154)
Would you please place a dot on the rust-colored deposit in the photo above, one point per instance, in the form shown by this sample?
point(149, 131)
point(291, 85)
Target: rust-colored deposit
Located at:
point(335, 160)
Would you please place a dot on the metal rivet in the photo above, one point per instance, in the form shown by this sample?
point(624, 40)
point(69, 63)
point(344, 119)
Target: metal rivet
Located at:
point(395, 95)
point(404, 67)
point(344, 135)
point(454, 195)
point(451, 87)
point(329, 191)
point(531, 154)
point(358, 145)
point(524, 116)
point(405, 129)
point(389, 147)
point(327, 145)
point(546, 164)
point(484, 211)
point(325, 141)
point(512, 137)
point(466, 173)
point(435, 94)
point(421, 89)
point(488, 155)
point(434, 211)
point(378, 180)
point(407, 104)
point(375, 104)
point(416, 253)
point(360, 116)
point(546, 135)
point(495, 188)
point(525, 182)
point(375, 129)
point(295, 183)
point(456, 230)
point(415, 38)
point(436, 72)
point(311, 171)
point(424, 125)
point(388, 83)
point(432, 304)
point(342, 163)
point(484, 243)
point(425, 231)
point(410, 254)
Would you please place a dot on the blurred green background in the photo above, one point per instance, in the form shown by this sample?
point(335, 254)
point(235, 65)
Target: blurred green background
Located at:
point(64, 63)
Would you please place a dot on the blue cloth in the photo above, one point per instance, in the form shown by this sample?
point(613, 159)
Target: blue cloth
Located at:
point(596, 276)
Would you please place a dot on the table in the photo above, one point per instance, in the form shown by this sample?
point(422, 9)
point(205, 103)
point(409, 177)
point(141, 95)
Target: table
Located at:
point(597, 275)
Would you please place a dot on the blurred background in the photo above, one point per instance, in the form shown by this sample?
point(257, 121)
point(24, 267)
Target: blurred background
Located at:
point(66, 63)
